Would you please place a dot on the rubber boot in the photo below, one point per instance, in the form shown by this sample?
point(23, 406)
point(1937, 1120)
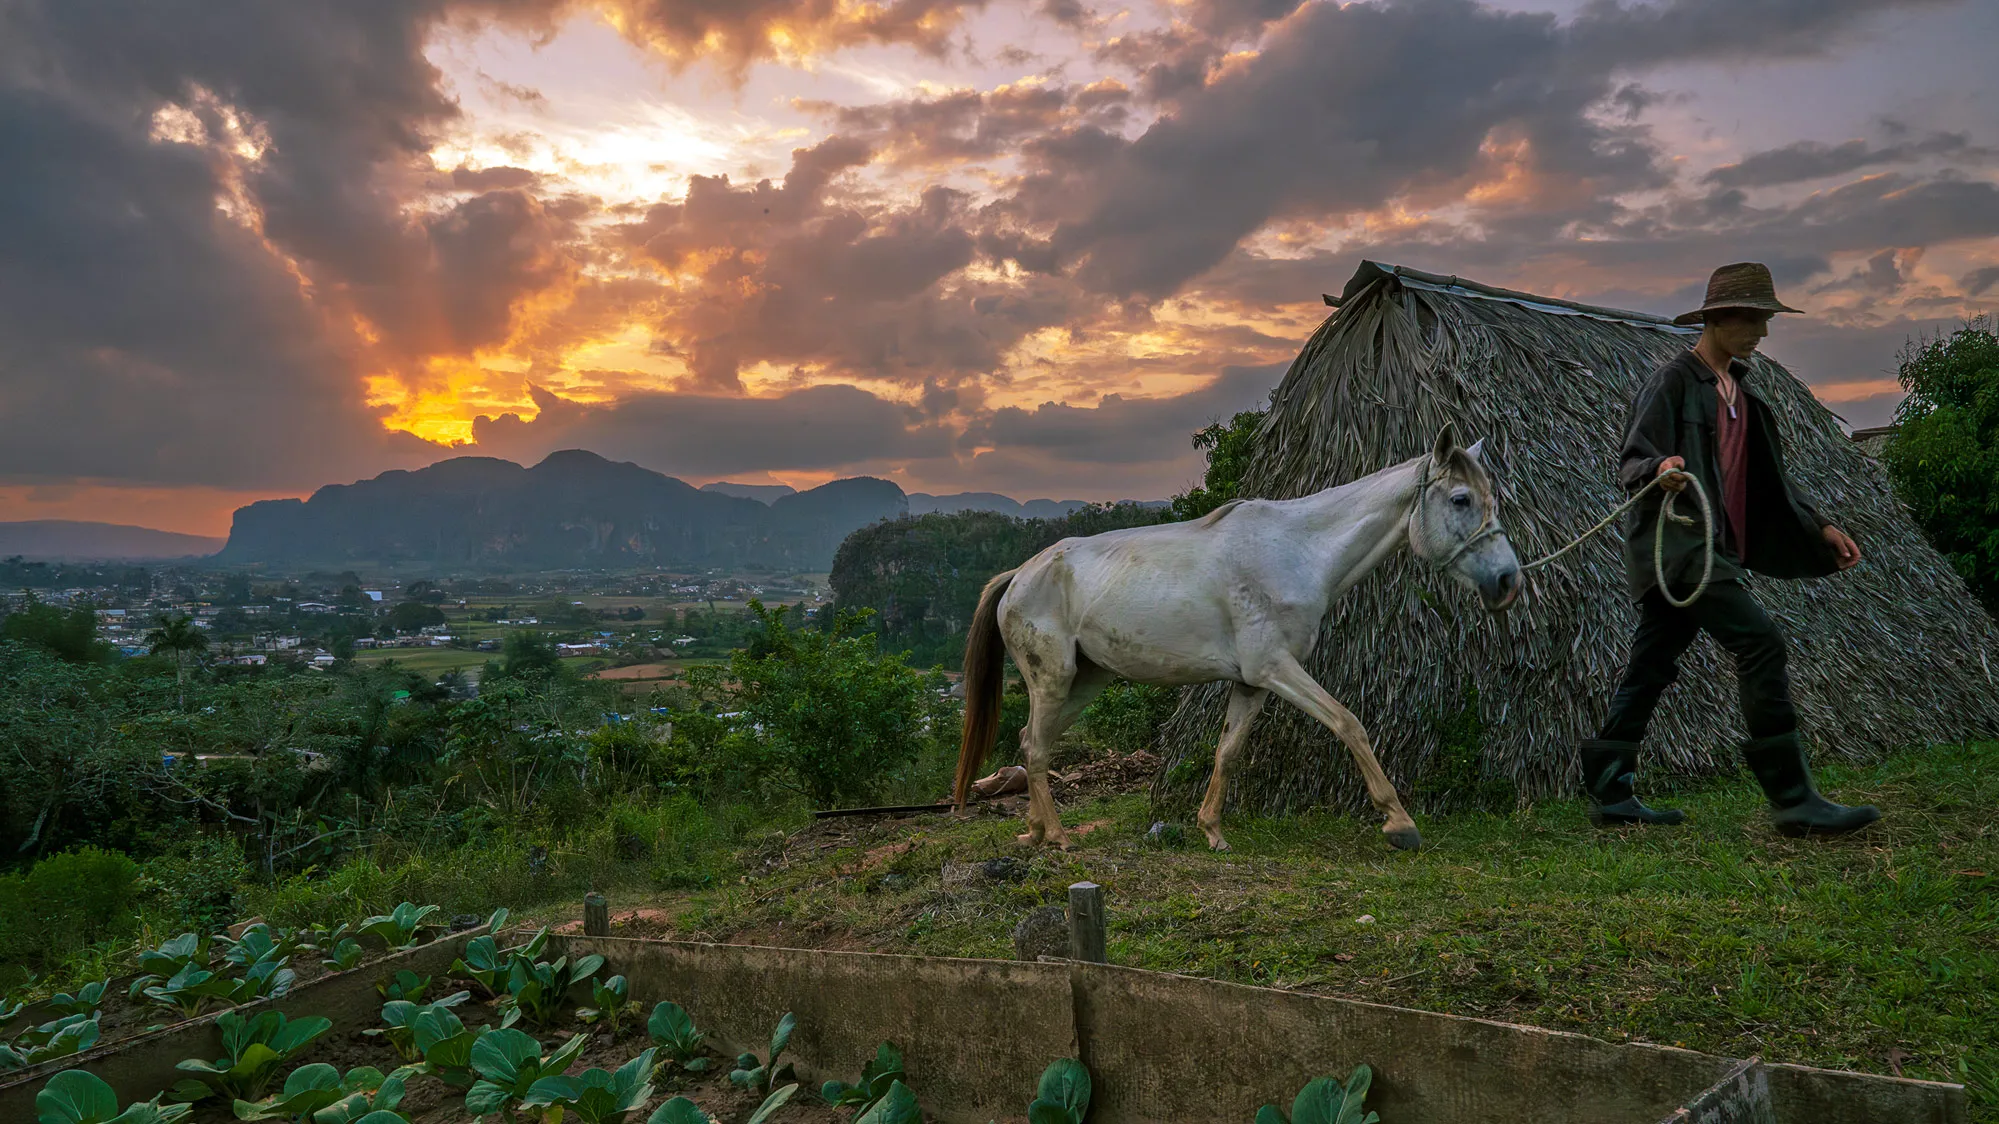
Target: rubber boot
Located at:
point(1610, 769)
point(1796, 808)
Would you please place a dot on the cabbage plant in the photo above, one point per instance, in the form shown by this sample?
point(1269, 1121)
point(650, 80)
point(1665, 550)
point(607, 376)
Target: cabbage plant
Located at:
point(508, 1063)
point(77, 1096)
point(255, 1049)
point(318, 1094)
point(1327, 1100)
point(672, 1030)
point(400, 928)
point(594, 1096)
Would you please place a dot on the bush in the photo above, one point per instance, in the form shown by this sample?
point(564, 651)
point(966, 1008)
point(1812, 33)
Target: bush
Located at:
point(1944, 457)
point(824, 712)
point(63, 904)
point(196, 884)
point(1126, 717)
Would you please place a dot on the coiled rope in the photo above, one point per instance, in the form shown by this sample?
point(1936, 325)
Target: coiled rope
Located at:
point(1658, 536)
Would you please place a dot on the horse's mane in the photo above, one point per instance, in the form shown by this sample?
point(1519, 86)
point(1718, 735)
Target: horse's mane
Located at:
point(1216, 516)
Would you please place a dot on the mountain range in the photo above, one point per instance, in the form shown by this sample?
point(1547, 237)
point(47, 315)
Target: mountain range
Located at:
point(923, 503)
point(65, 540)
point(576, 508)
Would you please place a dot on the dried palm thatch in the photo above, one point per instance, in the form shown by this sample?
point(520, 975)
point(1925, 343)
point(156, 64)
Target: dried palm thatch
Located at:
point(1891, 654)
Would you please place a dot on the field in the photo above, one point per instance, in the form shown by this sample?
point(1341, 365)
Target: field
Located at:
point(1877, 953)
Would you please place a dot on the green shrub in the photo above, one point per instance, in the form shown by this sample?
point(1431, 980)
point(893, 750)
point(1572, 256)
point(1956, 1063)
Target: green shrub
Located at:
point(1126, 717)
point(197, 884)
point(58, 907)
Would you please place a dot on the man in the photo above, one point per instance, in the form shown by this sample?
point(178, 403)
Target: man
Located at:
point(1697, 418)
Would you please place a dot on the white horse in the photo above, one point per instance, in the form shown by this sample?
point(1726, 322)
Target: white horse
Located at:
point(1236, 595)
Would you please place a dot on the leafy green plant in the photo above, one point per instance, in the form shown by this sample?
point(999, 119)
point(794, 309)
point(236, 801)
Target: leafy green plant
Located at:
point(406, 984)
point(508, 1063)
point(761, 1075)
point(259, 942)
point(1063, 1096)
point(399, 1019)
point(400, 928)
point(77, 1096)
point(595, 1096)
point(169, 960)
point(1327, 1100)
point(876, 1078)
point(610, 1002)
point(190, 991)
point(9, 1009)
point(486, 964)
point(680, 1110)
point(87, 999)
point(318, 1094)
point(444, 1043)
point(673, 1031)
point(345, 954)
point(896, 1106)
point(59, 1038)
point(538, 988)
point(254, 1051)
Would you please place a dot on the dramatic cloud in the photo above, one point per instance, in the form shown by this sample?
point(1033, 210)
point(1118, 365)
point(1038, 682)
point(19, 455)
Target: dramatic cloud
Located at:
point(815, 429)
point(1810, 160)
point(255, 247)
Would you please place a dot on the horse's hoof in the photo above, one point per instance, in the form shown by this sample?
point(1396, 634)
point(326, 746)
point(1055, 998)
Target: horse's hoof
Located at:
point(1219, 845)
point(1028, 839)
point(1405, 839)
point(1059, 843)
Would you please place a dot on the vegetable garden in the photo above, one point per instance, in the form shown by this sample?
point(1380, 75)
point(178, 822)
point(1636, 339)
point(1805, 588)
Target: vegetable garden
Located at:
point(505, 1033)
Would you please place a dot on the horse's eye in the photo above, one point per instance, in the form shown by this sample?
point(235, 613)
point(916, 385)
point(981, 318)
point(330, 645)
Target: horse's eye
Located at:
point(1461, 500)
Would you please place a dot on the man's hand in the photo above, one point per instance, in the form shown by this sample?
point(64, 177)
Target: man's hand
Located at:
point(1677, 481)
point(1844, 547)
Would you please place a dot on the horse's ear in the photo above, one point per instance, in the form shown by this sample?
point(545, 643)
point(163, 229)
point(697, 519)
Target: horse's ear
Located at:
point(1447, 439)
point(1476, 450)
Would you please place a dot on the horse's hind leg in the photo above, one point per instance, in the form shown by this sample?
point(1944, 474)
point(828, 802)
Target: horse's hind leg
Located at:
point(1286, 676)
point(1056, 696)
point(1244, 703)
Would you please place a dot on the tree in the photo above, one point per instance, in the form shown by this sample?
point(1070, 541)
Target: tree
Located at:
point(824, 711)
point(1944, 456)
point(1228, 446)
point(414, 616)
point(68, 634)
point(177, 637)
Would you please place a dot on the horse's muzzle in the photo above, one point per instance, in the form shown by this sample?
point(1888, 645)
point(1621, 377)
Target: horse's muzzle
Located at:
point(1501, 592)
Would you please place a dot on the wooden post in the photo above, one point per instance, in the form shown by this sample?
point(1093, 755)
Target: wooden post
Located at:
point(596, 915)
point(1086, 922)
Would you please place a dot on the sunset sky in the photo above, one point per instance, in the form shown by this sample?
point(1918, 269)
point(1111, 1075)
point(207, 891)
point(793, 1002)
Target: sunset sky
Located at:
point(1027, 246)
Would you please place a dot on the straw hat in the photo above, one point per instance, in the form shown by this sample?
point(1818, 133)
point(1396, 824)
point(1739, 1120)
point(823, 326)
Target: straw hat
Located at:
point(1745, 284)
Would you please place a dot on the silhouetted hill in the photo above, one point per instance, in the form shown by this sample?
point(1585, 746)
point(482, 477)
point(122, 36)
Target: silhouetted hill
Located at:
point(923, 503)
point(573, 509)
point(72, 540)
point(762, 493)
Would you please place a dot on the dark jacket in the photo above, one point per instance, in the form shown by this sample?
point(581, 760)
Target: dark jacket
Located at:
point(1674, 416)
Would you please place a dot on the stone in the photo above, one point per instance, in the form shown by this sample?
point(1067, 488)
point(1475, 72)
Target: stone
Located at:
point(1006, 868)
point(1043, 932)
point(1163, 834)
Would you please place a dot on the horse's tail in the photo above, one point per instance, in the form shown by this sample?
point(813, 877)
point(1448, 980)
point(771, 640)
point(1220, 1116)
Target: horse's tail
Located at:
point(985, 670)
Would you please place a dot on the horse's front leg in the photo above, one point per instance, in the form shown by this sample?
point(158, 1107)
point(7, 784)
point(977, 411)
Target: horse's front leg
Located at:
point(1286, 676)
point(1244, 703)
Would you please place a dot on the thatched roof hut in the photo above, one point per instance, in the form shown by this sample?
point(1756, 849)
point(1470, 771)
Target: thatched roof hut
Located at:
point(1893, 653)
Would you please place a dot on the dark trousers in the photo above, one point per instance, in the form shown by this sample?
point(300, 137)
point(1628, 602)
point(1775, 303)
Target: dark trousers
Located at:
point(1729, 614)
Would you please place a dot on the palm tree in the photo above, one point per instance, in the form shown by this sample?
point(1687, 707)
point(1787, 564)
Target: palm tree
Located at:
point(178, 636)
